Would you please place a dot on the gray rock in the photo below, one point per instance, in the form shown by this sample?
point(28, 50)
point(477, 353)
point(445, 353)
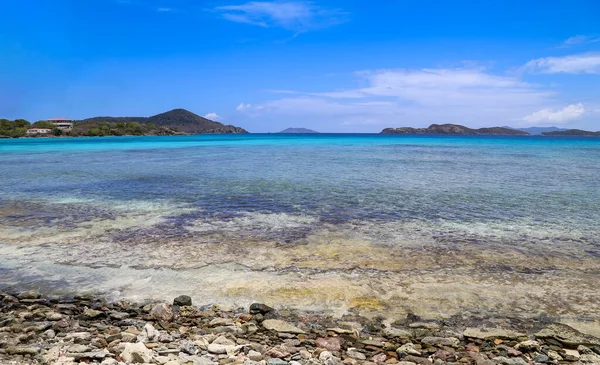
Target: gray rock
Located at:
point(148, 334)
point(136, 353)
point(540, 358)
point(189, 348)
point(162, 312)
point(215, 348)
point(31, 294)
point(440, 341)
point(259, 308)
point(276, 361)
point(53, 316)
point(396, 332)
point(281, 326)
point(91, 313)
point(182, 300)
point(119, 315)
point(567, 336)
point(408, 349)
point(510, 361)
point(528, 346)
point(23, 350)
point(78, 348)
point(492, 333)
point(355, 354)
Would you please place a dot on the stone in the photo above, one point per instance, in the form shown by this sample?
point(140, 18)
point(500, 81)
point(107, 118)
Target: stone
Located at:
point(136, 353)
point(189, 348)
point(554, 355)
point(327, 358)
point(215, 348)
point(355, 354)
point(509, 361)
point(379, 358)
point(220, 322)
point(567, 336)
point(182, 301)
point(254, 355)
point(91, 313)
point(281, 326)
point(148, 334)
point(31, 294)
point(78, 348)
point(540, 358)
point(79, 337)
point(571, 355)
point(162, 312)
point(417, 360)
point(426, 325)
point(119, 315)
point(277, 361)
point(492, 333)
point(440, 341)
point(112, 362)
point(329, 343)
point(53, 316)
point(528, 346)
point(23, 350)
point(408, 349)
point(259, 308)
point(392, 332)
point(405, 363)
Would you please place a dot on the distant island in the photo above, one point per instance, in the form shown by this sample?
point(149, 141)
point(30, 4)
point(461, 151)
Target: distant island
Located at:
point(536, 131)
point(298, 130)
point(454, 129)
point(571, 132)
point(174, 122)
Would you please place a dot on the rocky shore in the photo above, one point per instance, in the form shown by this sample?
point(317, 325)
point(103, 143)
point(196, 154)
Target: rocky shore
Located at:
point(88, 330)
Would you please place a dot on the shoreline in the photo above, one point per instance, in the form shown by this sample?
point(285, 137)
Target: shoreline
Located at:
point(86, 329)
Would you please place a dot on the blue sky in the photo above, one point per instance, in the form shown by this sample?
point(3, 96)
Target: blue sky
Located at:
point(334, 66)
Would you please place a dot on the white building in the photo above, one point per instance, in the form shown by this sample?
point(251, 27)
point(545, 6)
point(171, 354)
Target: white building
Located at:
point(32, 131)
point(62, 123)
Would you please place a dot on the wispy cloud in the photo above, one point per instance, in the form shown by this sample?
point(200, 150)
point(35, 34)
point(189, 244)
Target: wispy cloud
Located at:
point(586, 63)
point(164, 9)
point(560, 116)
point(580, 39)
point(297, 16)
point(472, 96)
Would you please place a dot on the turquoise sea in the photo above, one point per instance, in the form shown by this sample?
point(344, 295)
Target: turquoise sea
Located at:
point(265, 215)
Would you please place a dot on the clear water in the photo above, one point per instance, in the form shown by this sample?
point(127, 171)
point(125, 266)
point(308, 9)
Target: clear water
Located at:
point(528, 196)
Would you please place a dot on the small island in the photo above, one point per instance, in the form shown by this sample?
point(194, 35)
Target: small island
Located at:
point(298, 130)
point(571, 132)
point(174, 122)
point(455, 129)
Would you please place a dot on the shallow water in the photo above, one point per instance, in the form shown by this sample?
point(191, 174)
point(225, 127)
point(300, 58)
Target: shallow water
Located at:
point(369, 223)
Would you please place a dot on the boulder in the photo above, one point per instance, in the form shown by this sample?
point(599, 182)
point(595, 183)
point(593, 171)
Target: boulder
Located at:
point(182, 301)
point(259, 308)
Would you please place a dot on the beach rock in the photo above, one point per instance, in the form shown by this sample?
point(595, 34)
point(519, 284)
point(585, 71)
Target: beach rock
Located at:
point(78, 348)
point(440, 341)
point(392, 332)
point(567, 336)
point(91, 313)
point(189, 348)
point(355, 354)
point(215, 348)
point(528, 346)
point(254, 355)
point(509, 361)
point(79, 337)
point(492, 333)
point(329, 343)
point(259, 308)
point(408, 349)
point(571, 355)
point(23, 350)
point(31, 294)
point(277, 361)
point(53, 316)
point(327, 358)
point(182, 301)
point(162, 312)
point(554, 355)
point(136, 353)
point(281, 326)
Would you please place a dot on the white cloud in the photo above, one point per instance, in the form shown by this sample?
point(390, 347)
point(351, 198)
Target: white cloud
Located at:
point(164, 9)
point(212, 116)
point(471, 96)
point(587, 63)
point(298, 16)
point(563, 115)
point(243, 107)
point(580, 39)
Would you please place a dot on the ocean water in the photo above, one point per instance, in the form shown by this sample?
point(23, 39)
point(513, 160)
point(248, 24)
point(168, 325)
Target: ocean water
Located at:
point(333, 222)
